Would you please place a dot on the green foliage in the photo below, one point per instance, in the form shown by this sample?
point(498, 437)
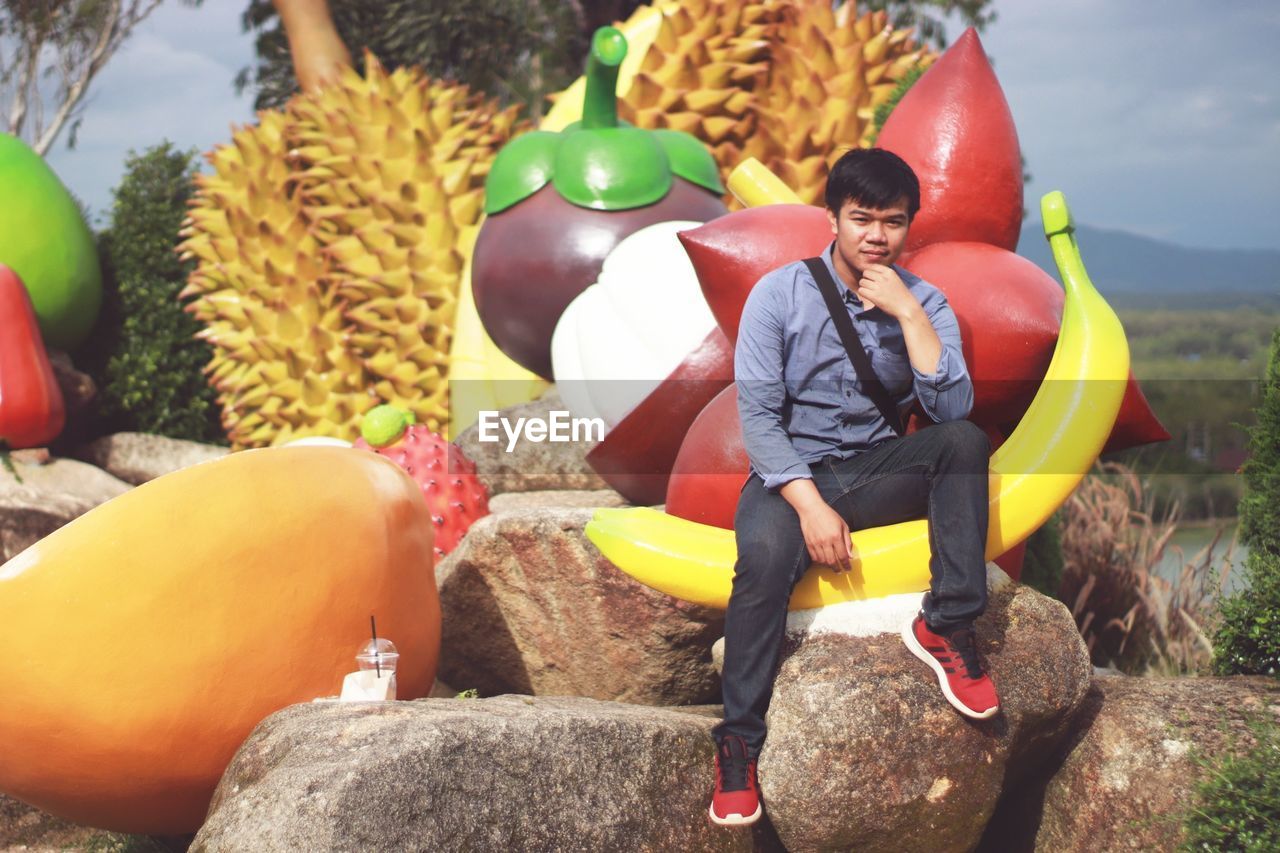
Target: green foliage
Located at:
point(1260, 509)
point(1248, 638)
point(1247, 641)
point(1042, 565)
point(927, 16)
point(1237, 806)
point(144, 355)
point(882, 112)
point(515, 50)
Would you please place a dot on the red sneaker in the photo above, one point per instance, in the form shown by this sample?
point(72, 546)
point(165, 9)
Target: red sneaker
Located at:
point(955, 659)
point(736, 800)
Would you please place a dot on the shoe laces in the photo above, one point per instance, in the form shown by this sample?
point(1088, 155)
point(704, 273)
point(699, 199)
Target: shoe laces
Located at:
point(965, 646)
point(734, 764)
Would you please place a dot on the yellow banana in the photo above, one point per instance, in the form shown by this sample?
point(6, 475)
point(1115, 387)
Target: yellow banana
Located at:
point(1032, 473)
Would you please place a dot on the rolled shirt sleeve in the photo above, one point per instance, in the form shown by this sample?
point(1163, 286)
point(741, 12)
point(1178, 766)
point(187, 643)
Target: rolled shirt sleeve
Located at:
point(762, 392)
point(947, 393)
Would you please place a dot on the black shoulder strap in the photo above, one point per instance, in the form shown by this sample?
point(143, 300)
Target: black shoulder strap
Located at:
point(861, 363)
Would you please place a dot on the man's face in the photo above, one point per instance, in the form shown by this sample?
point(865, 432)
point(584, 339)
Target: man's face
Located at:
point(868, 235)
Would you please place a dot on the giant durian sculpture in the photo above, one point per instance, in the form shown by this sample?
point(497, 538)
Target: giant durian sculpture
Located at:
point(789, 82)
point(328, 247)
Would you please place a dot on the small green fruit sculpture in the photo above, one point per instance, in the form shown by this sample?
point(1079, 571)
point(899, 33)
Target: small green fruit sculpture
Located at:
point(558, 203)
point(45, 241)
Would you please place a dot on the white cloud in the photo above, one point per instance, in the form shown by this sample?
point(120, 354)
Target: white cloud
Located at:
point(171, 80)
point(1142, 113)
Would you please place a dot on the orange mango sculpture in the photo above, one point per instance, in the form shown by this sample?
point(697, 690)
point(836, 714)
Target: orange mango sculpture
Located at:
point(140, 644)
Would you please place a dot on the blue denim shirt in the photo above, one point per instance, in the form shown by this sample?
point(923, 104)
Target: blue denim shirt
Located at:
point(799, 397)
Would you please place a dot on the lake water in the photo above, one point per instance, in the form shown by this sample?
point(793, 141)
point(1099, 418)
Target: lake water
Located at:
point(1188, 543)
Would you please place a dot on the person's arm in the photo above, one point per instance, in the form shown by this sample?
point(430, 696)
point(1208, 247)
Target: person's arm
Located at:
point(762, 393)
point(946, 392)
point(932, 335)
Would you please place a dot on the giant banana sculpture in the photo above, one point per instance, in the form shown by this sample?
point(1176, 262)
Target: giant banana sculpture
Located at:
point(1032, 473)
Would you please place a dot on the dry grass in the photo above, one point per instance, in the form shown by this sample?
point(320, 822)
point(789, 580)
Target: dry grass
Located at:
point(1129, 616)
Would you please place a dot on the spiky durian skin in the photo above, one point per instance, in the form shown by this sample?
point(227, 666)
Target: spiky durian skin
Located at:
point(701, 71)
point(789, 83)
point(328, 252)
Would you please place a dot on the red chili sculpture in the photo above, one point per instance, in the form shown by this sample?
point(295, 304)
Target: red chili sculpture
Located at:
point(31, 408)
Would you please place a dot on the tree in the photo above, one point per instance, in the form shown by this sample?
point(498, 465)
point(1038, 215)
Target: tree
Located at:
point(64, 41)
point(926, 16)
point(1248, 638)
point(515, 50)
point(144, 354)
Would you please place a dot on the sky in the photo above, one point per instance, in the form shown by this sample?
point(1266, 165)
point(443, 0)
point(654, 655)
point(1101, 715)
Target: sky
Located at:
point(1161, 119)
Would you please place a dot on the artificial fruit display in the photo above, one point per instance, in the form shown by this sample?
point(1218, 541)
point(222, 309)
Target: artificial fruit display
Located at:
point(32, 412)
point(630, 329)
point(330, 243)
point(559, 202)
point(1032, 473)
point(142, 642)
point(455, 496)
point(44, 239)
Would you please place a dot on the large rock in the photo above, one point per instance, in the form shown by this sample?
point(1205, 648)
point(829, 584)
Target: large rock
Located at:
point(510, 773)
point(573, 498)
point(24, 827)
point(865, 753)
point(38, 499)
point(138, 457)
point(530, 606)
point(531, 466)
point(1127, 775)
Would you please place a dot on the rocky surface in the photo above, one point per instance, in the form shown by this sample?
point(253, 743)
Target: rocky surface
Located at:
point(509, 773)
point(865, 753)
point(37, 499)
point(137, 457)
point(531, 466)
point(575, 498)
point(24, 827)
point(530, 606)
point(1127, 775)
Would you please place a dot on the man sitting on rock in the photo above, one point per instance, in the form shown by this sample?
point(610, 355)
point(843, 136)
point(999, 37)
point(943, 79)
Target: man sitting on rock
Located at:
point(828, 455)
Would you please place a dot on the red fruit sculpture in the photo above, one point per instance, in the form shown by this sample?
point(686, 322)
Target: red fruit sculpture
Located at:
point(447, 478)
point(955, 130)
point(637, 455)
point(32, 413)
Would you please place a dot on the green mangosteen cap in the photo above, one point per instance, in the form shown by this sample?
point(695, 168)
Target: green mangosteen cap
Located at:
point(600, 162)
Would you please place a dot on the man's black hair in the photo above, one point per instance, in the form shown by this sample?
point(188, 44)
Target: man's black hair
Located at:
point(872, 177)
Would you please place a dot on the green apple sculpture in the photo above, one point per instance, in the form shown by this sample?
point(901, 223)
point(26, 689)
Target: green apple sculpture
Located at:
point(44, 239)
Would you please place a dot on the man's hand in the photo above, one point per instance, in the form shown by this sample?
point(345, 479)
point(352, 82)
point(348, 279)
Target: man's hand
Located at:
point(826, 536)
point(881, 287)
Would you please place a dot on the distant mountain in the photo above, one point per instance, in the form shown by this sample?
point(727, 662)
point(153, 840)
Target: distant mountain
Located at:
point(1121, 263)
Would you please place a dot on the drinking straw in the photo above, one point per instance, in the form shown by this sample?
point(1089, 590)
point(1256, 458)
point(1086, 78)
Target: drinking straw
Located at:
point(377, 658)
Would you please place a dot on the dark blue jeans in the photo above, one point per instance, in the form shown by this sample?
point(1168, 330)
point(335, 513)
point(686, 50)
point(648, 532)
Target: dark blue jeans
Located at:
point(939, 473)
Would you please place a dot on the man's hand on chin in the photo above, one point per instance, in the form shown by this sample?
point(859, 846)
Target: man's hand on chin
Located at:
point(881, 287)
